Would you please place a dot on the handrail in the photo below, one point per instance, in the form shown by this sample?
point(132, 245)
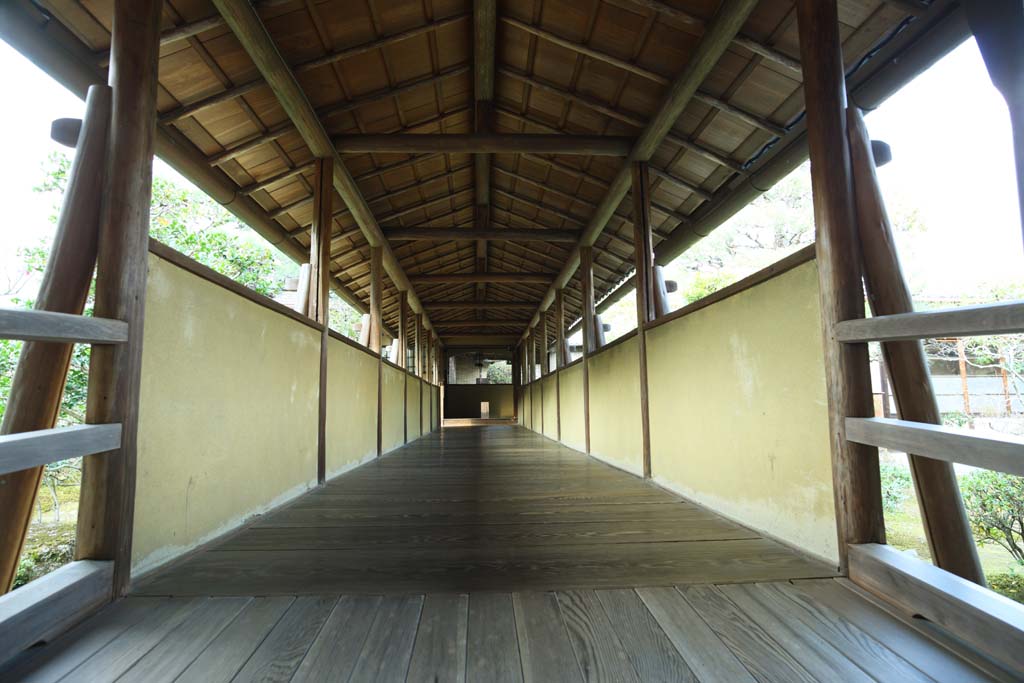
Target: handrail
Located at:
point(47, 326)
point(988, 450)
point(968, 321)
point(24, 450)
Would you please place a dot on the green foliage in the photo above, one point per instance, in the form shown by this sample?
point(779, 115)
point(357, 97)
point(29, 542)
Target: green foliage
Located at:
point(1009, 584)
point(956, 419)
point(995, 506)
point(704, 284)
point(499, 372)
point(47, 547)
point(344, 319)
point(896, 486)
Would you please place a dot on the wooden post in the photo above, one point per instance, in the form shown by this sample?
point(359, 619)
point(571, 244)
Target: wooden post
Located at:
point(516, 382)
point(418, 344)
point(998, 26)
point(855, 473)
point(545, 362)
point(560, 355)
point(107, 508)
point(643, 254)
point(945, 521)
point(376, 335)
point(38, 384)
point(403, 359)
point(589, 318)
point(318, 304)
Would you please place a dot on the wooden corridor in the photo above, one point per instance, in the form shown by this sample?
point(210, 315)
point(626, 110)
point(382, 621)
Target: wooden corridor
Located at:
point(493, 554)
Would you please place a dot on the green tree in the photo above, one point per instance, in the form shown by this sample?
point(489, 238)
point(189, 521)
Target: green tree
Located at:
point(995, 505)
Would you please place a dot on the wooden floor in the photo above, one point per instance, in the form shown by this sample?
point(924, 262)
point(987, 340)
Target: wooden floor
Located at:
point(482, 508)
point(491, 554)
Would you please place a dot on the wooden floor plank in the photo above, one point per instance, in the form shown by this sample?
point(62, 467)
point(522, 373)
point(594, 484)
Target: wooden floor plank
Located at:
point(751, 644)
point(109, 662)
point(442, 569)
point(493, 647)
point(876, 658)
point(231, 649)
point(599, 651)
point(701, 648)
point(651, 653)
point(333, 654)
point(281, 652)
point(918, 649)
point(53, 662)
point(813, 652)
point(182, 645)
point(439, 655)
point(544, 646)
point(385, 655)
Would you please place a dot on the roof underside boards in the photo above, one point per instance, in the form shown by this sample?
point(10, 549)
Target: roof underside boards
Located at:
point(406, 66)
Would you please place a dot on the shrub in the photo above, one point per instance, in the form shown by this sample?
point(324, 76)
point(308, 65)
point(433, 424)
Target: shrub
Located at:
point(896, 486)
point(1010, 584)
point(47, 547)
point(995, 505)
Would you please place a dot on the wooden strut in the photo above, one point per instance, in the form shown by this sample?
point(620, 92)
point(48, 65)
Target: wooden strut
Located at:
point(559, 357)
point(855, 473)
point(107, 508)
point(403, 360)
point(645, 295)
point(38, 383)
point(319, 298)
point(484, 143)
point(946, 525)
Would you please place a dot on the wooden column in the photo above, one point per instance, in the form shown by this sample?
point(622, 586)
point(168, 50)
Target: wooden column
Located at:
point(403, 359)
point(643, 254)
point(560, 356)
point(420, 344)
point(545, 366)
point(107, 508)
point(854, 466)
point(376, 334)
point(938, 494)
point(517, 378)
point(589, 318)
point(417, 342)
point(998, 26)
point(318, 303)
point(38, 384)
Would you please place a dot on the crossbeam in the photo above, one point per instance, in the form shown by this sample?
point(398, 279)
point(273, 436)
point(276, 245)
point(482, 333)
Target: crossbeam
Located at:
point(511, 234)
point(473, 278)
point(472, 324)
point(485, 143)
point(480, 305)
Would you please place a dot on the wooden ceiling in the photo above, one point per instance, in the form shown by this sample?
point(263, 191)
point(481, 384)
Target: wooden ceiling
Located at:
point(594, 67)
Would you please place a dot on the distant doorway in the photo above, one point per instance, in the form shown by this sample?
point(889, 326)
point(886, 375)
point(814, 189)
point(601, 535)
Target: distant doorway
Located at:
point(485, 409)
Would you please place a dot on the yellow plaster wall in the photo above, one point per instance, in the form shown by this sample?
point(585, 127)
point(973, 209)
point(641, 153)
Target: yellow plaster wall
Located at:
point(550, 389)
point(615, 427)
point(392, 408)
point(412, 413)
point(738, 410)
point(571, 403)
point(227, 414)
point(350, 428)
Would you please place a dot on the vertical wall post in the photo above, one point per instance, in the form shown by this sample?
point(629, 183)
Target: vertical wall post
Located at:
point(377, 334)
point(589, 320)
point(560, 359)
point(318, 301)
point(855, 471)
point(107, 508)
point(403, 359)
point(419, 366)
point(516, 381)
point(643, 254)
